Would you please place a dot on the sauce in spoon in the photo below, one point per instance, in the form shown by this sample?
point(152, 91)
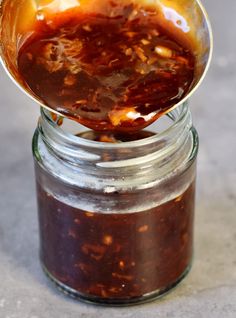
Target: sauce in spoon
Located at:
point(108, 72)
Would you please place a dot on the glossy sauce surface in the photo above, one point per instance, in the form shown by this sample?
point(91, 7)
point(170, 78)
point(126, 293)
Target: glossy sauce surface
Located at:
point(108, 72)
point(114, 137)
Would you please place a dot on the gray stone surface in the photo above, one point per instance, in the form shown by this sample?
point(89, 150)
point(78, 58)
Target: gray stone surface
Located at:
point(210, 289)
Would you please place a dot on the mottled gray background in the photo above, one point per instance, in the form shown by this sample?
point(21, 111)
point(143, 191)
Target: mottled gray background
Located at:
point(210, 289)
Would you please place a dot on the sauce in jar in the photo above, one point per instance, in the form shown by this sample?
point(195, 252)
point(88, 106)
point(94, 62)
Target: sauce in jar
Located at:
point(116, 209)
point(116, 257)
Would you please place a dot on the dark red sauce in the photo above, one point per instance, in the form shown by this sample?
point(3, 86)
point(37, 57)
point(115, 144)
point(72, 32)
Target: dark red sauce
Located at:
point(114, 137)
point(116, 257)
point(107, 72)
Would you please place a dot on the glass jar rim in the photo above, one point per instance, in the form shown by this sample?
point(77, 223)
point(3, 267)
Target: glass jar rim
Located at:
point(124, 165)
point(178, 115)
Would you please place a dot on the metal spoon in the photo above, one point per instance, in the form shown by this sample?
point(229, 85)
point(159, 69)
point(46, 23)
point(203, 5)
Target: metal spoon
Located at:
point(186, 18)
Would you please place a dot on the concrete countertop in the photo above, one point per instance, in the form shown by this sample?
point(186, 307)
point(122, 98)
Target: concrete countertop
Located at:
point(210, 289)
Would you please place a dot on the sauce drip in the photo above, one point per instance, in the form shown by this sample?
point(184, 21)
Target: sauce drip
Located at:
point(106, 72)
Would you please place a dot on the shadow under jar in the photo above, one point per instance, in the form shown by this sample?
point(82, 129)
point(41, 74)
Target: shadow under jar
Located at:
point(116, 219)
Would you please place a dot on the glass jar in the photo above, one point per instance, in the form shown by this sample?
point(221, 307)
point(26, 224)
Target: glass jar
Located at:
point(116, 220)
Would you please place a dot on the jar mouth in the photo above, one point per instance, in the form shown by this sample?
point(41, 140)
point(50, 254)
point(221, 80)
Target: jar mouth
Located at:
point(124, 165)
point(178, 116)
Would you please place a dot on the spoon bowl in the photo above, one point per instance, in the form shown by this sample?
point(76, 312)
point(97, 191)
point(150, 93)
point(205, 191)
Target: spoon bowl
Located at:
point(186, 19)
